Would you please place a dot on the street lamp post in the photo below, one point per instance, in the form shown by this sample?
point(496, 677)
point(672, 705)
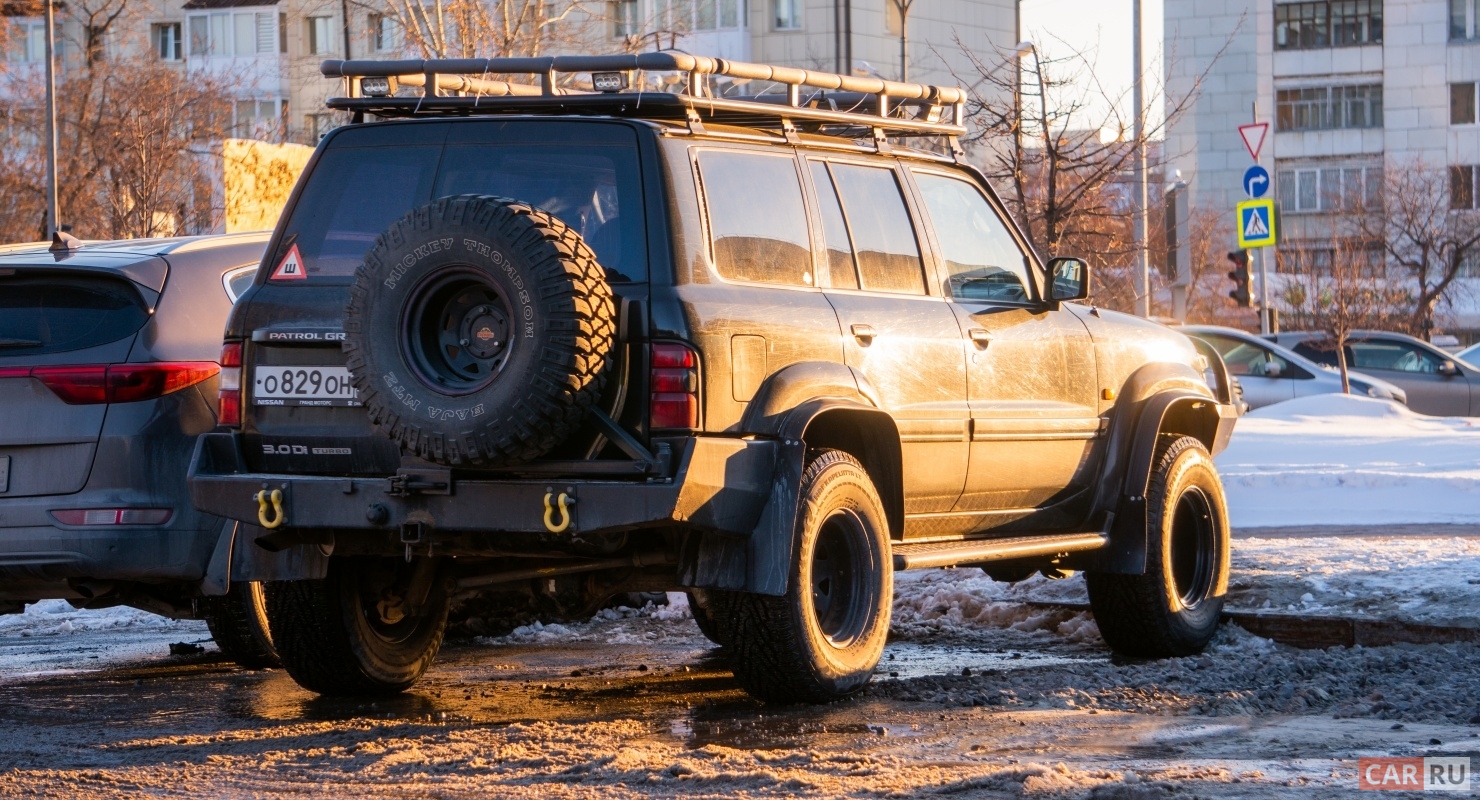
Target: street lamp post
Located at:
point(52, 210)
point(1143, 272)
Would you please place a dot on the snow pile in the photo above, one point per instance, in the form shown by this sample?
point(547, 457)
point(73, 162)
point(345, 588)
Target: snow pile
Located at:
point(954, 601)
point(57, 617)
point(605, 625)
point(1345, 460)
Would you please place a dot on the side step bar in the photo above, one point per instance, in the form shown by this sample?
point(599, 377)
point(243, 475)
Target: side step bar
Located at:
point(977, 551)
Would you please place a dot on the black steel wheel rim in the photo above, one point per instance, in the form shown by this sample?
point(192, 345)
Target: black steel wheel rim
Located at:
point(457, 331)
point(1194, 548)
point(840, 568)
point(382, 592)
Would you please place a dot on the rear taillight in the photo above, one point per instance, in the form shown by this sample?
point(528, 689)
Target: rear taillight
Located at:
point(86, 384)
point(674, 382)
point(230, 413)
point(112, 516)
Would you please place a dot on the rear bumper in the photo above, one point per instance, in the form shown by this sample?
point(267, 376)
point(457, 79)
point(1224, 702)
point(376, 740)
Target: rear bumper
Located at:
point(146, 555)
point(716, 483)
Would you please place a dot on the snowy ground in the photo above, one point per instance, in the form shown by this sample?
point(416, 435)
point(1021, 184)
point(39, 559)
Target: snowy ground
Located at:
point(1346, 460)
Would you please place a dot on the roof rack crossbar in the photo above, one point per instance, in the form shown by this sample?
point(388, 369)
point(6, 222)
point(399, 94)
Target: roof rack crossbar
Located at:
point(469, 76)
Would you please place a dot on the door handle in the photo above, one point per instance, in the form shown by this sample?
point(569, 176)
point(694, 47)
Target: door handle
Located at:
point(980, 336)
point(864, 333)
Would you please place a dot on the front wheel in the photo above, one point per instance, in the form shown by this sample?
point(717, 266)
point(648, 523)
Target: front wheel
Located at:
point(1174, 608)
point(372, 626)
point(821, 640)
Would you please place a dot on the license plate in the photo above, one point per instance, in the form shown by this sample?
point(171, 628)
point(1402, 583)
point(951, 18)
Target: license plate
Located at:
point(303, 386)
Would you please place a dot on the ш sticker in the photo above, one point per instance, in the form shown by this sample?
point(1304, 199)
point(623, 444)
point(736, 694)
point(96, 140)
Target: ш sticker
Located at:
point(291, 267)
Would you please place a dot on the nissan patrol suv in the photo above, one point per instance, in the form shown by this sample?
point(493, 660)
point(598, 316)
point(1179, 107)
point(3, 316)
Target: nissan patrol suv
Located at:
point(586, 336)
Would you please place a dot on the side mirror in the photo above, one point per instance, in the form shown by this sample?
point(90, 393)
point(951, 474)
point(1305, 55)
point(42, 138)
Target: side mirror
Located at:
point(1448, 369)
point(1068, 279)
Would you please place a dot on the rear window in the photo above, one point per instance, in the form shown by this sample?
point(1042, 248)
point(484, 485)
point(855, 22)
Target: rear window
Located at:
point(586, 175)
point(44, 314)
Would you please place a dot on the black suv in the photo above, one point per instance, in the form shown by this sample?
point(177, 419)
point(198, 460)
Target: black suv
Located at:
point(757, 348)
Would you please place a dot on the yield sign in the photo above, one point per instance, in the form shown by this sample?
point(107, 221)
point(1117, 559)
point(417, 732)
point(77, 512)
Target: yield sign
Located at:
point(1254, 137)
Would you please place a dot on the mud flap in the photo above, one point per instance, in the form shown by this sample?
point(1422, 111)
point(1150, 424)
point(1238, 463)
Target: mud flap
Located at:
point(761, 562)
point(217, 580)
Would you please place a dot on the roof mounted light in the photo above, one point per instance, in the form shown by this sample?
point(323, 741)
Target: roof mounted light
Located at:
point(609, 81)
point(377, 86)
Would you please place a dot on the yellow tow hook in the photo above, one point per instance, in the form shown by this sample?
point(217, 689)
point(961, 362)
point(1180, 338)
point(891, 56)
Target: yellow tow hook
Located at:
point(564, 501)
point(276, 499)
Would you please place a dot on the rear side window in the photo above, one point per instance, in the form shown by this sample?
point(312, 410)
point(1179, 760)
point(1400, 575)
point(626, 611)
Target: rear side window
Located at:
point(982, 257)
point(841, 271)
point(586, 175)
point(40, 315)
point(883, 237)
point(757, 220)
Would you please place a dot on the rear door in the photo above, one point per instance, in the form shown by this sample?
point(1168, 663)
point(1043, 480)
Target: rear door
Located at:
point(301, 415)
point(1416, 369)
point(58, 330)
point(904, 340)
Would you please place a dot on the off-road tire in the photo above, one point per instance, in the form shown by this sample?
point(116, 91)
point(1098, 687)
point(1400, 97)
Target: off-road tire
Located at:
point(533, 350)
point(329, 645)
point(1173, 609)
point(821, 640)
point(704, 605)
point(238, 623)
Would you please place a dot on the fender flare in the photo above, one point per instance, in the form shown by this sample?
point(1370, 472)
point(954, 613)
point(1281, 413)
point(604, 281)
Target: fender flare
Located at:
point(1156, 399)
point(804, 400)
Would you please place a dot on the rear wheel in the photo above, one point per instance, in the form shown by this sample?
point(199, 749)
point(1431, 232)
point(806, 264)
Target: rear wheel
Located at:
point(704, 605)
point(238, 623)
point(371, 627)
point(821, 640)
point(1174, 608)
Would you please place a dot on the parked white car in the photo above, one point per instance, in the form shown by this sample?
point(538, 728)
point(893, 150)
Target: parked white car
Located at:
point(1271, 373)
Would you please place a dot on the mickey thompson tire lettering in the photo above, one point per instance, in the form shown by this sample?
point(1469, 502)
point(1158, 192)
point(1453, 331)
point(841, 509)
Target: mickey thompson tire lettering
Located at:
point(545, 326)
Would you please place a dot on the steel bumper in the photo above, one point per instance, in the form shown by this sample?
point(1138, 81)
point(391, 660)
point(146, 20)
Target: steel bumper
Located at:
point(717, 483)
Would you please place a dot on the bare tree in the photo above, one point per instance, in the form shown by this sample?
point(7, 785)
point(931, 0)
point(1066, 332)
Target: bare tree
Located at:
point(495, 28)
point(1429, 230)
point(1339, 288)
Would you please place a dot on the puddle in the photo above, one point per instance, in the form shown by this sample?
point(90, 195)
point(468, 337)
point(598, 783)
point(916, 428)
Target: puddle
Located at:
point(913, 660)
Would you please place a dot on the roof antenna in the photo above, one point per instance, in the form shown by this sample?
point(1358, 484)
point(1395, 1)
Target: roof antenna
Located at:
point(62, 242)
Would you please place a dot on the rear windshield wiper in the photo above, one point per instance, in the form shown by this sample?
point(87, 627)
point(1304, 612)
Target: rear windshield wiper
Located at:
point(20, 343)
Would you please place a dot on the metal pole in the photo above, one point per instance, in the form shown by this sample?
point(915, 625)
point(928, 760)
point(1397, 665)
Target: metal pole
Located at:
point(1263, 265)
point(52, 209)
point(904, 41)
point(1143, 287)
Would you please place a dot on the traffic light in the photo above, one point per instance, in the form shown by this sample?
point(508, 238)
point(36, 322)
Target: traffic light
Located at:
point(1240, 277)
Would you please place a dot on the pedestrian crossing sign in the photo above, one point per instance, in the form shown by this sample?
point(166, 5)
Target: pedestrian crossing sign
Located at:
point(1256, 223)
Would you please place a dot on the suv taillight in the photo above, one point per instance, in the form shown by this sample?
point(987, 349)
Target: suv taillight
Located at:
point(90, 384)
point(230, 413)
point(674, 383)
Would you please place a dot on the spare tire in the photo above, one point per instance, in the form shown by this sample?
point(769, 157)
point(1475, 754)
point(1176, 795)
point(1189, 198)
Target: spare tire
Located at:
point(478, 331)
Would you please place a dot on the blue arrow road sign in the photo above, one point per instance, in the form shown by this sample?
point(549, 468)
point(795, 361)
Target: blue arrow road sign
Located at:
point(1256, 181)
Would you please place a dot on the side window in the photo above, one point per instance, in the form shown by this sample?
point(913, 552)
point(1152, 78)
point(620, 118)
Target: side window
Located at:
point(238, 280)
point(841, 272)
point(757, 220)
point(883, 238)
point(1395, 356)
point(1243, 358)
point(983, 259)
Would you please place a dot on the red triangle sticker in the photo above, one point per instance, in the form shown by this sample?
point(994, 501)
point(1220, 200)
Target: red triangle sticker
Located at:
point(291, 267)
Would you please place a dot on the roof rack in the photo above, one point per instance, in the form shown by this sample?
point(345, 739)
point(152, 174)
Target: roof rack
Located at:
point(812, 100)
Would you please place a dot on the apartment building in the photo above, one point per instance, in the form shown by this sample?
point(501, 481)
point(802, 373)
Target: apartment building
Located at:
point(1351, 89)
point(269, 52)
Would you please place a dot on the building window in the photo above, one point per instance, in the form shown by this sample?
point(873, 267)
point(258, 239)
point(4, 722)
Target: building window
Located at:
point(1302, 26)
point(260, 119)
point(1314, 189)
point(320, 35)
point(165, 38)
point(316, 125)
point(241, 33)
point(626, 21)
point(788, 16)
point(385, 33)
point(26, 42)
point(1367, 259)
point(1462, 187)
point(1326, 107)
point(1462, 19)
point(1461, 104)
